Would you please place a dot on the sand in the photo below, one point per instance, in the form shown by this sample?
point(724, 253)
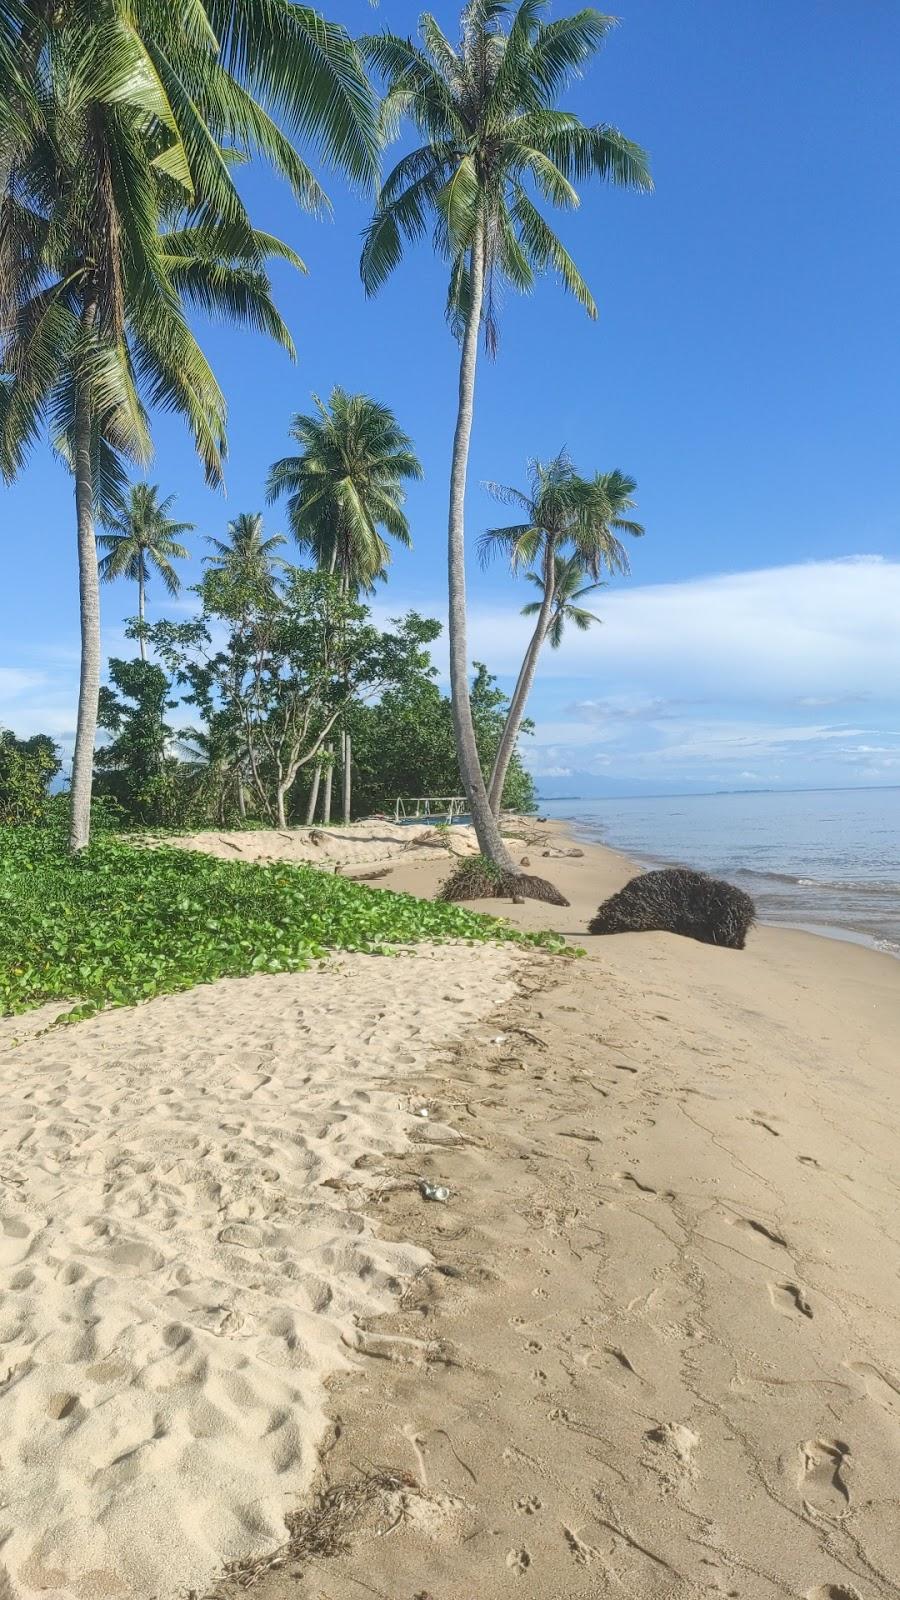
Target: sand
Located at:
point(354, 849)
point(650, 1347)
point(185, 1254)
point(664, 1299)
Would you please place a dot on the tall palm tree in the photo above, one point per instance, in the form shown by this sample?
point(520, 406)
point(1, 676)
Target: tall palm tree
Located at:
point(347, 484)
point(140, 537)
point(244, 553)
point(120, 121)
point(563, 510)
point(486, 111)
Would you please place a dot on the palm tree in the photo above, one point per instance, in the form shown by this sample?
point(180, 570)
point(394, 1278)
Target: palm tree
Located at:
point(119, 127)
point(492, 138)
point(346, 485)
point(568, 589)
point(245, 554)
point(562, 510)
point(142, 536)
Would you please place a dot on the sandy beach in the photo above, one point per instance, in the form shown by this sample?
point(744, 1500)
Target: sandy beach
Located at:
point(650, 1346)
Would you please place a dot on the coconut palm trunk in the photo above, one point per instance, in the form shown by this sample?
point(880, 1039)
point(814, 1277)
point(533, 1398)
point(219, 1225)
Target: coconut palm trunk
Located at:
point(141, 599)
point(523, 687)
point(489, 840)
point(89, 602)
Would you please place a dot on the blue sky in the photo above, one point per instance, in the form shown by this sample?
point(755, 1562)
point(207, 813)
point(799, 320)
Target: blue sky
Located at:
point(743, 369)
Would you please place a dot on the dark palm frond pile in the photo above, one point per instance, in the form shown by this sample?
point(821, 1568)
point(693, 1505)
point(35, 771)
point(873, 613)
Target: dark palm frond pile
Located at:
point(677, 900)
point(477, 878)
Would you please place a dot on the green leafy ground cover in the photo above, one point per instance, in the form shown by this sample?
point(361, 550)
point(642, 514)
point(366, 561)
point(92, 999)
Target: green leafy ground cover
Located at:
point(121, 924)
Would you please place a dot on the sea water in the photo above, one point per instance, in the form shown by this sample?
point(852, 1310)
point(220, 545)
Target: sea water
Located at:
point(827, 860)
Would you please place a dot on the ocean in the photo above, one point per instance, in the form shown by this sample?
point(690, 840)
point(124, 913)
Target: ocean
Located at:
point(825, 860)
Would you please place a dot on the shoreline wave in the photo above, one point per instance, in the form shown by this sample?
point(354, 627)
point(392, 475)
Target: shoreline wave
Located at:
point(823, 910)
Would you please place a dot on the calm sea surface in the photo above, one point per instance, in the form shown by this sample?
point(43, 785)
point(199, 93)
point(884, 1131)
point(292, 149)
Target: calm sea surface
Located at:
point(827, 860)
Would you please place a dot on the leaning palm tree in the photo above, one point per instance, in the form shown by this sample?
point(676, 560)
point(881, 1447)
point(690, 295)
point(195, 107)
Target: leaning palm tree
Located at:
point(344, 487)
point(563, 511)
point(141, 537)
point(493, 142)
point(244, 553)
point(568, 589)
point(119, 127)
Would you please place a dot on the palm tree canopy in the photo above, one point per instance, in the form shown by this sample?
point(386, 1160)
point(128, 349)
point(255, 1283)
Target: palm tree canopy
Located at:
point(563, 509)
point(245, 553)
point(568, 589)
point(494, 147)
point(346, 484)
point(141, 537)
point(120, 125)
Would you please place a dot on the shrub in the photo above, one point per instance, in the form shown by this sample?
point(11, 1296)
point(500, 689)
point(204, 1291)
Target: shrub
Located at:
point(27, 768)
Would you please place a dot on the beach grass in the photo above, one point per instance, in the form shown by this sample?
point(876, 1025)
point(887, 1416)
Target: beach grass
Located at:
point(121, 923)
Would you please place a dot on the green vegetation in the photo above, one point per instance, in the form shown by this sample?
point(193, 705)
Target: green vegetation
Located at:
point(27, 768)
point(404, 744)
point(141, 538)
point(563, 512)
point(345, 485)
point(121, 126)
point(119, 923)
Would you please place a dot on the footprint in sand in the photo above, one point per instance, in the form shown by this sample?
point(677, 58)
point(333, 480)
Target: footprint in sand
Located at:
point(519, 1561)
point(789, 1299)
point(750, 1225)
point(675, 1445)
point(16, 1239)
point(879, 1386)
point(629, 1177)
point(581, 1553)
point(821, 1480)
point(760, 1120)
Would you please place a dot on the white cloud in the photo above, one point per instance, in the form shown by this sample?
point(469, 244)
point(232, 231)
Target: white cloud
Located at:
point(822, 632)
point(14, 682)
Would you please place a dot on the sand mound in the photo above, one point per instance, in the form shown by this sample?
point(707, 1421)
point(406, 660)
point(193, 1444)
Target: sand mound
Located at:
point(360, 844)
point(175, 1280)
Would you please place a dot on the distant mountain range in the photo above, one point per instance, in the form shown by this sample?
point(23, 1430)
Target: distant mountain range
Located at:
point(590, 786)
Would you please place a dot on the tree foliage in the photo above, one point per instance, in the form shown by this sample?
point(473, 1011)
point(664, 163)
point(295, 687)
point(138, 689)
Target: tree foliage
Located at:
point(405, 745)
point(27, 768)
point(346, 484)
point(495, 149)
point(271, 666)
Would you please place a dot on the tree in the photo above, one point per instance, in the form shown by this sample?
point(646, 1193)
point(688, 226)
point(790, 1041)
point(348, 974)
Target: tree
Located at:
point(563, 510)
point(142, 536)
point(27, 768)
point(567, 589)
point(486, 111)
point(133, 766)
point(405, 743)
point(346, 484)
point(119, 127)
point(245, 554)
point(271, 690)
